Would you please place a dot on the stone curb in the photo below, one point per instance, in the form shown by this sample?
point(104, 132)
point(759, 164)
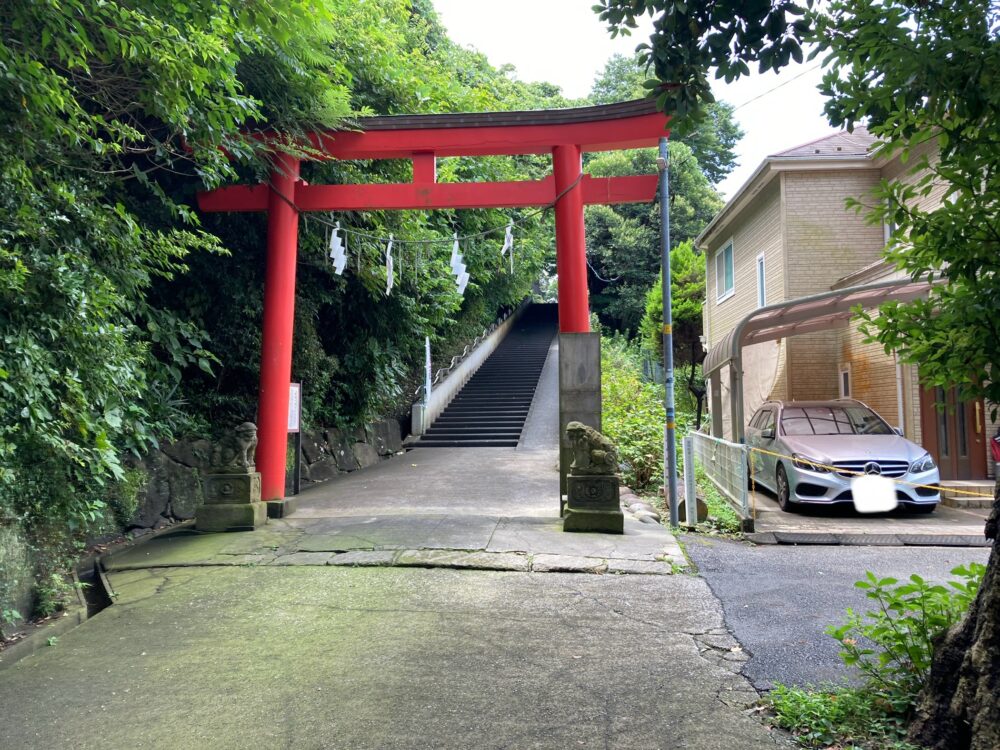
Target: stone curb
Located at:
point(519, 562)
point(71, 618)
point(868, 540)
point(78, 614)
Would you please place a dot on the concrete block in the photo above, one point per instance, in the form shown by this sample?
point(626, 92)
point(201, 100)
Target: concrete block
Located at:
point(231, 517)
point(231, 489)
point(592, 492)
point(579, 390)
point(602, 521)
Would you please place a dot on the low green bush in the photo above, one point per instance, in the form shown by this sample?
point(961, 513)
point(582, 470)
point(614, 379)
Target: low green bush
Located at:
point(721, 515)
point(633, 416)
point(893, 646)
point(837, 716)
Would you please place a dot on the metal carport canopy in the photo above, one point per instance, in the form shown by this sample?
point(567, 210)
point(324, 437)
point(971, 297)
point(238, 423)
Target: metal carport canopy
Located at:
point(820, 312)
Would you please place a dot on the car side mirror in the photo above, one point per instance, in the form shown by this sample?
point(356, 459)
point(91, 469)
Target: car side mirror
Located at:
point(767, 434)
point(898, 431)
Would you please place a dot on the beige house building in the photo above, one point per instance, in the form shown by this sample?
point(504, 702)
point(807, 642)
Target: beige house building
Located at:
point(787, 235)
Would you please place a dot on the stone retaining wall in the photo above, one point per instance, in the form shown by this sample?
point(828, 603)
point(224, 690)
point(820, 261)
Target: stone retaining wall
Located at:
point(173, 491)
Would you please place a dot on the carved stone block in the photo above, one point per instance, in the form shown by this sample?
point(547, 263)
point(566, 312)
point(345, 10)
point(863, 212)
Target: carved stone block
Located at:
point(593, 492)
point(231, 489)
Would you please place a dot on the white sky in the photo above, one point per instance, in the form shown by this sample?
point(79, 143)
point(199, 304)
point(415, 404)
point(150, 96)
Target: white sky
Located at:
point(564, 42)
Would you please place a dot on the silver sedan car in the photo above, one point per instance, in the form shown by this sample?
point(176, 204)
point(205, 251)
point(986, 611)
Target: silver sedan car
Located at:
point(810, 451)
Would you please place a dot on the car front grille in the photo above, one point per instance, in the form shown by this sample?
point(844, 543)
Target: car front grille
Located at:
point(891, 469)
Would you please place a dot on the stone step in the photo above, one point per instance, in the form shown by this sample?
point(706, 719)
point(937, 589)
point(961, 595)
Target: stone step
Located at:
point(954, 493)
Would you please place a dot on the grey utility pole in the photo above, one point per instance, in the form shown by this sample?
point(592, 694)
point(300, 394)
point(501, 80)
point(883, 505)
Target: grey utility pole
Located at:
point(669, 436)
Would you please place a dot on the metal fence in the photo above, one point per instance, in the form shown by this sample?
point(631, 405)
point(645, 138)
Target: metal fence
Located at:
point(725, 465)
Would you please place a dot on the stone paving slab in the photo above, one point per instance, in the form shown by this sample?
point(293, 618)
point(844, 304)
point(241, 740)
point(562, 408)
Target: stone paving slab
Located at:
point(467, 542)
point(639, 567)
point(364, 558)
point(461, 559)
point(231, 658)
point(397, 532)
point(568, 564)
point(545, 536)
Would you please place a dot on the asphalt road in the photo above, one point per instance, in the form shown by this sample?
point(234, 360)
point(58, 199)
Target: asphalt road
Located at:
point(778, 599)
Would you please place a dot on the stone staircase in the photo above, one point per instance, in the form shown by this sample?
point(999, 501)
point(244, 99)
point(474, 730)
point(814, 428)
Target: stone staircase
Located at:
point(492, 407)
point(953, 493)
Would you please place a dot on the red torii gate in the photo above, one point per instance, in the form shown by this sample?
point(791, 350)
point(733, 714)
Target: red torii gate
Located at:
point(564, 133)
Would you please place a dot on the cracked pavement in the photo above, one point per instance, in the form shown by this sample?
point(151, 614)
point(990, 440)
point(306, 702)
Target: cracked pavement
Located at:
point(340, 657)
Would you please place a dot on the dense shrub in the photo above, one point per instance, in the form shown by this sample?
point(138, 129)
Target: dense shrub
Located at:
point(633, 415)
point(892, 645)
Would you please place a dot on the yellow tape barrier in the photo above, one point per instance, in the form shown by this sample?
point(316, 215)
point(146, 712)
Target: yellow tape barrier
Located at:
point(838, 470)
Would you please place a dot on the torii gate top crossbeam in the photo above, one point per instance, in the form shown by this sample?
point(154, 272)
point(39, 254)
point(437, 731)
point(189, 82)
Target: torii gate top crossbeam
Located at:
point(608, 127)
point(424, 138)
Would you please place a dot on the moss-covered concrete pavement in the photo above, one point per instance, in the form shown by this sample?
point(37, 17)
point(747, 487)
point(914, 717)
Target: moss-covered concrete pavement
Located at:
point(338, 657)
point(419, 604)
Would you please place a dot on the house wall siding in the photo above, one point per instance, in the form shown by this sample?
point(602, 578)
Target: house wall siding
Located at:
point(824, 240)
point(873, 374)
point(759, 232)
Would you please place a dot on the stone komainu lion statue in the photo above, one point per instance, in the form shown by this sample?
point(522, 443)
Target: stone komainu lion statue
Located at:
point(234, 453)
point(592, 452)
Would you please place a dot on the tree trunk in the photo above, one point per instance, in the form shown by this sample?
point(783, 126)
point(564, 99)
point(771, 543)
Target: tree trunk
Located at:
point(959, 709)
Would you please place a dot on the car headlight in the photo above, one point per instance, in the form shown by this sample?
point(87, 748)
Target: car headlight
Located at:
point(808, 464)
point(922, 464)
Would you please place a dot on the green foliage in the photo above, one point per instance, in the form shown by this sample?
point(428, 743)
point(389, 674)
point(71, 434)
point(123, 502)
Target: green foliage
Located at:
point(632, 414)
point(721, 516)
point(10, 616)
point(712, 143)
point(690, 38)
point(687, 291)
point(111, 115)
point(624, 241)
point(893, 646)
point(922, 77)
point(837, 717)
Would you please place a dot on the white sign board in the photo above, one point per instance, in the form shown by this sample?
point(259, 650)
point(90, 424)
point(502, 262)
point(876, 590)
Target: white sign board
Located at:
point(294, 406)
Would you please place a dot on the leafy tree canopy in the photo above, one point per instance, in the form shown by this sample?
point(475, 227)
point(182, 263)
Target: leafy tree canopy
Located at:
point(691, 39)
point(712, 142)
point(624, 241)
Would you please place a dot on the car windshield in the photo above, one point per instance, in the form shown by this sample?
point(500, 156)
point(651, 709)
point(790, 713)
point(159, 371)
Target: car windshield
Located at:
point(832, 420)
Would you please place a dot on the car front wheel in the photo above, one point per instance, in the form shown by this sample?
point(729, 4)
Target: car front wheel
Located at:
point(784, 490)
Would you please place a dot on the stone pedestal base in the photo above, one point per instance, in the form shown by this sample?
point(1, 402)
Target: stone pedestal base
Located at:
point(231, 517)
point(232, 503)
point(603, 521)
point(592, 504)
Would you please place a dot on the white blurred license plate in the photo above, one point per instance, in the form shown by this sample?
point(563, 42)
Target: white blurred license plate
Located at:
point(873, 494)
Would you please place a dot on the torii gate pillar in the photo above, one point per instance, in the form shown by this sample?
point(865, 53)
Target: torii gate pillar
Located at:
point(571, 250)
point(279, 319)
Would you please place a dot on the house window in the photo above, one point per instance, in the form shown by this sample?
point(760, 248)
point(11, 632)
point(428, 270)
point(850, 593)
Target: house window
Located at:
point(845, 383)
point(761, 280)
point(724, 276)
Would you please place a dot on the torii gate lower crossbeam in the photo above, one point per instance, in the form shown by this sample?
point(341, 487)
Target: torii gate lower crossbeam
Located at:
point(565, 134)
